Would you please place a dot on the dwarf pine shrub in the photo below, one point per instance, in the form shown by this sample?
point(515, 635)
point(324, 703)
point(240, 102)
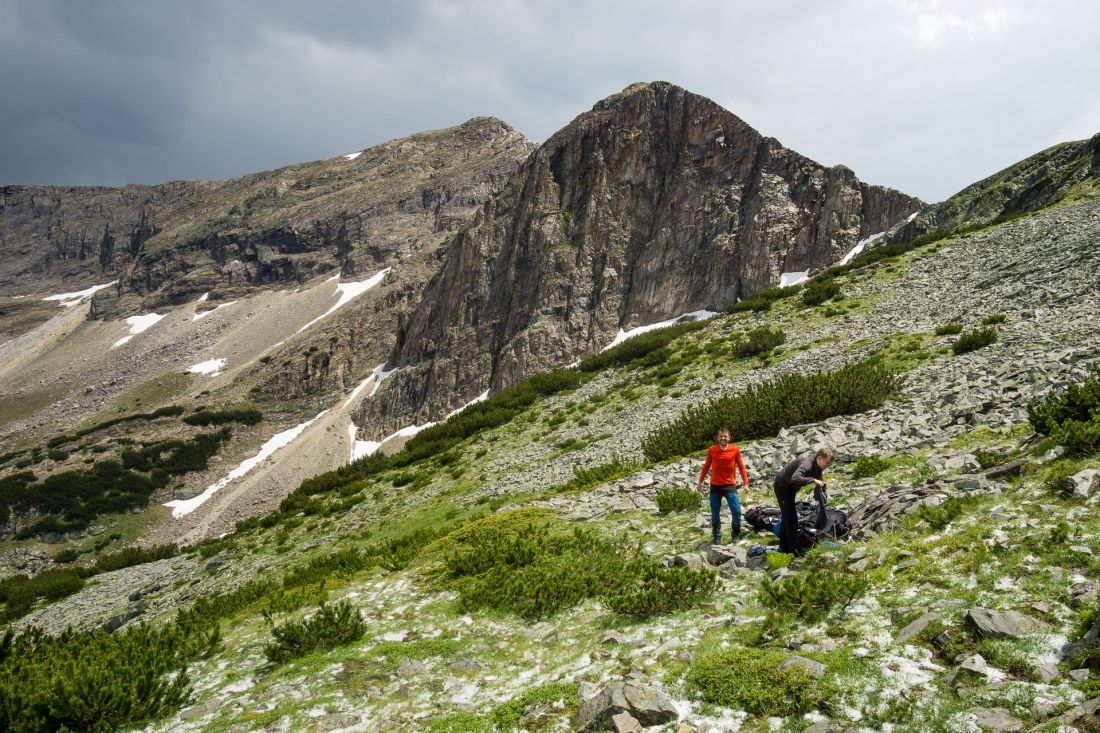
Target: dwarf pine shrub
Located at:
point(974, 340)
point(648, 588)
point(759, 341)
point(586, 478)
point(752, 680)
point(819, 290)
point(333, 625)
point(868, 466)
point(762, 300)
point(949, 329)
point(19, 593)
point(96, 682)
point(941, 515)
point(763, 409)
point(1070, 416)
point(676, 499)
point(639, 347)
point(244, 414)
point(530, 564)
point(993, 319)
point(810, 595)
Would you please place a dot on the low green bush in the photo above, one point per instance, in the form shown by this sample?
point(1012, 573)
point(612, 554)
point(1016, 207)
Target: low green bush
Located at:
point(759, 341)
point(330, 627)
point(763, 409)
point(132, 556)
point(751, 680)
point(941, 515)
point(66, 556)
point(974, 340)
point(1086, 654)
point(868, 466)
point(648, 588)
point(676, 499)
point(19, 593)
point(533, 565)
point(810, 595)
point(96, 682)
point(993, 319)
point(587, 478)
point(639, 347)
point(763, 300)
point(819, 290)
point(244, 414)
point(949, 329)
point(1071, 417)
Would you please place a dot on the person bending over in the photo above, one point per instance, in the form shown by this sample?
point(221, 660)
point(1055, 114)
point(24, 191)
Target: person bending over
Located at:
point(723, 461)
point(805, 470)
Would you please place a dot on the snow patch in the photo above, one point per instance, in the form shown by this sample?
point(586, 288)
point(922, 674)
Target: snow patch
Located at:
point(480, 398)
point(70, 299)
point(793, 278)
point(138, 324)
point(210, 368)
point(348, 291)
point(181, 507)
point(693, 316)
point(199, 316)
point(353, 156)
point(380, 375)
point(203, 298)
point(862, 245)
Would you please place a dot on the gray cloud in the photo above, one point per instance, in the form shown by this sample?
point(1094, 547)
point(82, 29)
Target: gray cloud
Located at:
point(924, 95)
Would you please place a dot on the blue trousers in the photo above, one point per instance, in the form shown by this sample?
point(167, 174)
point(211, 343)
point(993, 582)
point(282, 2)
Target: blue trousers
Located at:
point(729, 492)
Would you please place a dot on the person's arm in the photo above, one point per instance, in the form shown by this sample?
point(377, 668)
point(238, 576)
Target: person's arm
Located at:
point(703, 473)
point(741, 468)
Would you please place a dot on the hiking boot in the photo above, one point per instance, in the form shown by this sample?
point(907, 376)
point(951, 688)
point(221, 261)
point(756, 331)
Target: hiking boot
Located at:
point(735, 534)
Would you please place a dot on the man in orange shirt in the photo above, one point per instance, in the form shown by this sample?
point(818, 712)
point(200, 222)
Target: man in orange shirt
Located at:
point(723, 461)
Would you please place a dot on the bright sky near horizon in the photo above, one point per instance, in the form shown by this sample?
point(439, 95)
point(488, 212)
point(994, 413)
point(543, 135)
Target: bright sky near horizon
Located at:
point(925, 96)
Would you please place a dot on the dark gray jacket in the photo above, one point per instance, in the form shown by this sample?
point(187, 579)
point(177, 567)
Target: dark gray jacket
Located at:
point(798, 473)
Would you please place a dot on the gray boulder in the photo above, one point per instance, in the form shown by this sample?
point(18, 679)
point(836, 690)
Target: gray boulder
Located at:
point(815, 669)
point(648, 705)
point(722, 554)
point(1084, 483)
point(1003, 624)
point(690, 560)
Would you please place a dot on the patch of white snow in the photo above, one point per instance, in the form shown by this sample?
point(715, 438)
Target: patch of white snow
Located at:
point(353, 156)
point(793, 278)
point(862, 245)
point(138, 324)
point(70, 299)
point(211, 367)
point(348, 291)
point(199, 316)
point(181, 507)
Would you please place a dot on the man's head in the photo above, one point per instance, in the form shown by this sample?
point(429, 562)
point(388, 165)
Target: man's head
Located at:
point(722, 436)
point(824, 458)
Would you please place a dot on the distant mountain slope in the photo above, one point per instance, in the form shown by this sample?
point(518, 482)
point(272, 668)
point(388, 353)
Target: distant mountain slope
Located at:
point(170, 243)
point(655, 203)
point(1061, 172)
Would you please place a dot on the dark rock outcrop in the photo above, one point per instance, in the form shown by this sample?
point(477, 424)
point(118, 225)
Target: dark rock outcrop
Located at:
point(655, 203)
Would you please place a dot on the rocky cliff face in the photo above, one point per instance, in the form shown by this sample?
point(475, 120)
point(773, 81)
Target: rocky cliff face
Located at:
point(170, 243)
point(655, 203)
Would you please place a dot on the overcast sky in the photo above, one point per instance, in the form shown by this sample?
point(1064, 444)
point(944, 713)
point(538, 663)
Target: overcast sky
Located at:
point(921, 95)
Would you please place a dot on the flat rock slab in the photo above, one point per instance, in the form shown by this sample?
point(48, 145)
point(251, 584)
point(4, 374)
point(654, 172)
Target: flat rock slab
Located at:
point(913, 628)
point(997, 720)
point(721, 554)
point(1085, 483)
point(1004, 624)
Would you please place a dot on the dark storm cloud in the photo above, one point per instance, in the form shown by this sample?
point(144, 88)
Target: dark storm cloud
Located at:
point(925, 96)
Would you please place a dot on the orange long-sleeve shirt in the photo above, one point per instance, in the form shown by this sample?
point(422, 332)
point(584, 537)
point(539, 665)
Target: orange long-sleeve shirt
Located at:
point(725, 464)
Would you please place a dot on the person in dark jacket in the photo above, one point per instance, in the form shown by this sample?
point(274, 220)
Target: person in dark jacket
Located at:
point(805, 470)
